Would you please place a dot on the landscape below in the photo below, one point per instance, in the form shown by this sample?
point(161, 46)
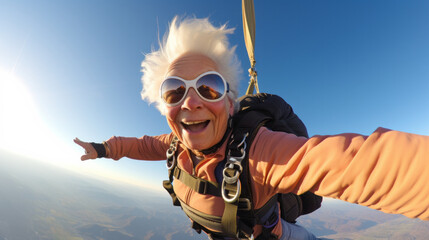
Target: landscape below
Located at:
point(40, 201)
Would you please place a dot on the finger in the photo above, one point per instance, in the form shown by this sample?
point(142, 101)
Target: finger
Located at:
point(89, 155)
point(85, 157)
point(79, 142)
point(87, 146)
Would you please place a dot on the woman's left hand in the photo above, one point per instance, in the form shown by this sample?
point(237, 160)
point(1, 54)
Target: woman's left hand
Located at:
point(90, 152)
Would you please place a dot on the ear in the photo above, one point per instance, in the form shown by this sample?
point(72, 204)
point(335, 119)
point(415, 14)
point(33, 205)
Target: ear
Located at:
point(231, 106)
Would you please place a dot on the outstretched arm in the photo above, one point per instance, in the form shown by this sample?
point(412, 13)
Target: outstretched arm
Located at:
point(387, 170)
point(144, 148)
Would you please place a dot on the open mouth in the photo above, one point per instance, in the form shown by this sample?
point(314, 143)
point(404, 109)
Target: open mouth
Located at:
point(195, 126)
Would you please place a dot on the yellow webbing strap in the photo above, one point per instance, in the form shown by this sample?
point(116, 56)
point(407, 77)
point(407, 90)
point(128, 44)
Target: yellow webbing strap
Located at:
point(248, 12)
point(199, 185)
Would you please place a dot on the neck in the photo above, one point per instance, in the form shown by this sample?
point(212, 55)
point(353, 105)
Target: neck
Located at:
point(197, 153)
point(215, 147)
point(196, 159)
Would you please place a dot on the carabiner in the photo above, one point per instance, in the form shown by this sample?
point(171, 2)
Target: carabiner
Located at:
point(171, 161)
point(171, 151)
point(225, 195)
point(242, 147)
point(243, 141)
point(237, 172)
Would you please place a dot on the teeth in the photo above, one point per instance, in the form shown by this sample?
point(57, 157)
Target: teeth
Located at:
point(193, 122)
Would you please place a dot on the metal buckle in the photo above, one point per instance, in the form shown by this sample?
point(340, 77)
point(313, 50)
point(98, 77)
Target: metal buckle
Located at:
point(202, 188)
point(171, 162)
point(243, 141)
point(171, 158)
point(225, 195)
point(234, 166)
point(234, 163)
point(242, 147)
point(244, 204)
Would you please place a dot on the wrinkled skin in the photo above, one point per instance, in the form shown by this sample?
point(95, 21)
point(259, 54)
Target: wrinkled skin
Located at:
point(198, 124)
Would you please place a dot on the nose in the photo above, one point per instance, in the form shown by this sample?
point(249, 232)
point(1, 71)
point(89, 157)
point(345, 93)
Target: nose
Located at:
point(192, 100)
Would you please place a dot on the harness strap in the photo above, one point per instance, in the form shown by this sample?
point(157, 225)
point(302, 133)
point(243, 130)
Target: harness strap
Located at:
point(268, 215)
point(227, 224)
point(208, 221)
point(169, 187)
point(171, 164)
point(231, 186)
point(269, 209)
point(199, 185)
point(229, 218)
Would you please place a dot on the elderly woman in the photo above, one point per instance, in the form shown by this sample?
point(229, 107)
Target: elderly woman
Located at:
point(192, 79)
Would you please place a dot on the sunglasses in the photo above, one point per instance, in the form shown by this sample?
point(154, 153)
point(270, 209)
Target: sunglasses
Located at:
point(210, 86)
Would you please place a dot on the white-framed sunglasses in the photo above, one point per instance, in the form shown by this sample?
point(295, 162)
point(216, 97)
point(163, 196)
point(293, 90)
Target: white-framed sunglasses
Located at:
point(210, 86)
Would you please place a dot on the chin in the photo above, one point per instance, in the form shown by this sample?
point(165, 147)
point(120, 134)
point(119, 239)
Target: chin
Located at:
point(198, 144)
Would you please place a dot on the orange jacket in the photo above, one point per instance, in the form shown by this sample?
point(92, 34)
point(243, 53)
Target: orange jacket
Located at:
point(387, 171)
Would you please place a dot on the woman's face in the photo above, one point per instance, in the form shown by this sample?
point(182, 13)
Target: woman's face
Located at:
point(198, 124)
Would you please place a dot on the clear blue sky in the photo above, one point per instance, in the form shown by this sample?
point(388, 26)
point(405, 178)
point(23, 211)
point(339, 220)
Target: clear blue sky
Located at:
point(345, 66)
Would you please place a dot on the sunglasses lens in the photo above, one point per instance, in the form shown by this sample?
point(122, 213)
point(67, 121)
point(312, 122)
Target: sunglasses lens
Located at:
point(173, 90)
point(211, 86)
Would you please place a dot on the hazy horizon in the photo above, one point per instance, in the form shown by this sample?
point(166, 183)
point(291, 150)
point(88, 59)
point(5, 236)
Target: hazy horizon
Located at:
point(41, 201)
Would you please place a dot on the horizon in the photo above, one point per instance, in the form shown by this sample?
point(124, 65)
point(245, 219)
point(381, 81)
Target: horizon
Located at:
point(52, 203)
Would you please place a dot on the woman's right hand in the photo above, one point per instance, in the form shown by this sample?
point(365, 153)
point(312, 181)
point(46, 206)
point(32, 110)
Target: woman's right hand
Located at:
point(90, 152)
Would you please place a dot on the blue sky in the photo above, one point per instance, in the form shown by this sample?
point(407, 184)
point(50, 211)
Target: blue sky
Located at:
point(345, 66)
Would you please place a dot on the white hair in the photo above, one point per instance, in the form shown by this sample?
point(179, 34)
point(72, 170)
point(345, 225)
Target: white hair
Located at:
point(190, 35)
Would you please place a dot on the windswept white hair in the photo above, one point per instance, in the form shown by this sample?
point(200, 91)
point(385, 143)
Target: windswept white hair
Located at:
point(190, 35)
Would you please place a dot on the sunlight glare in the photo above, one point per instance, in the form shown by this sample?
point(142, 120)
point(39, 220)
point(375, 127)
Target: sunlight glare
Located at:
point(21, 128)
point(23, 131)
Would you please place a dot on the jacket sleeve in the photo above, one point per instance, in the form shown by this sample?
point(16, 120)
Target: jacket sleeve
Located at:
point(387, 171)
point(144, 148)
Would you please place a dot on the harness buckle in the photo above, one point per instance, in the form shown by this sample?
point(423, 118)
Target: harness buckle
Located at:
point(236, 167)
point(233, 163)
point(202, 188)
point(243, 141)
point(226, 195)
point(171, 159)
point(171, 151)
point(244, 204)
point(242, 147)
